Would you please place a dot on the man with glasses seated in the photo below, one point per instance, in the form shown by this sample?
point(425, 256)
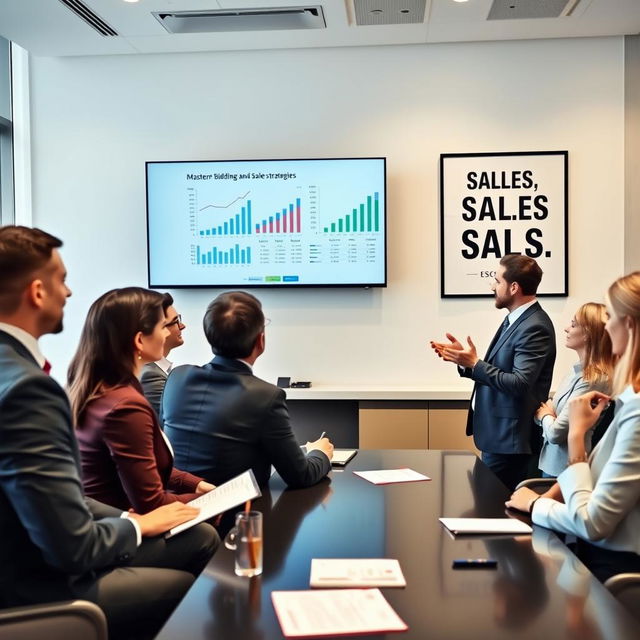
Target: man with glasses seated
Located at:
point(222, 420)
point(154, 374)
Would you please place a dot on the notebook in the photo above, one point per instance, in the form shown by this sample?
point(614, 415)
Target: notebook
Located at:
point(342, 456)
point(486, 525)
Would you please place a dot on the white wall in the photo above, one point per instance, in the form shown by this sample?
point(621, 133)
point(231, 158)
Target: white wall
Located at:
point(97, 119)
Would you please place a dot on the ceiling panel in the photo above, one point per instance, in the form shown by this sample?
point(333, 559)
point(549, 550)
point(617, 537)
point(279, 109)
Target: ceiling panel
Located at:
point(47, 27)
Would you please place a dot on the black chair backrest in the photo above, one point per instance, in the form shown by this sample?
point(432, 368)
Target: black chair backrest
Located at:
point(603, 425)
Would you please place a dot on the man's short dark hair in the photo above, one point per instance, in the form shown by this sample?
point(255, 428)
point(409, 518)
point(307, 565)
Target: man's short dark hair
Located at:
point(167, 301)
point(23, 251)
point(523, 270)
point(232, 323)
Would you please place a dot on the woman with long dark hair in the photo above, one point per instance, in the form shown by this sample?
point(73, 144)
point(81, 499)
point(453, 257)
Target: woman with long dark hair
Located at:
point(126, 460)
point(597, 497)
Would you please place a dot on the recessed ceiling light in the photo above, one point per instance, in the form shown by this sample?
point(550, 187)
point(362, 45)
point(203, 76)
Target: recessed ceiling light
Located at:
point(137, 0)
point(453, 0)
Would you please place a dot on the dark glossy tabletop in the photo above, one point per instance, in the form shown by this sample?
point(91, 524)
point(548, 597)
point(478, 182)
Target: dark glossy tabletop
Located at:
point(539, 590)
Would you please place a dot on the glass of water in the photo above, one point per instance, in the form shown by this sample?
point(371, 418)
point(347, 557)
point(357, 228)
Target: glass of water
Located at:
point(246, 540)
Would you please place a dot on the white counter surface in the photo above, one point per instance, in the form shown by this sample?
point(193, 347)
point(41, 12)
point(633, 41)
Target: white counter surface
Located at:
point(327, 392)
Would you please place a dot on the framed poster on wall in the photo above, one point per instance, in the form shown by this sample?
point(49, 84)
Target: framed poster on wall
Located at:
point(492, 204)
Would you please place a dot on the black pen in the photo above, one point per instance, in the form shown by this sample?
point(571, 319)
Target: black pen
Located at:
point(474, 563)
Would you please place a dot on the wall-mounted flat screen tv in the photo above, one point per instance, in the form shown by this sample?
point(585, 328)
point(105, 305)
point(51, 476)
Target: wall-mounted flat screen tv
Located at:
point(267, 223)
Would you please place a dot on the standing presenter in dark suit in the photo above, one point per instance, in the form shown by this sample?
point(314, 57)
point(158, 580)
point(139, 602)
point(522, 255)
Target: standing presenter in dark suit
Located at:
point(57, 544)
point(222, 420)
point(515, 375)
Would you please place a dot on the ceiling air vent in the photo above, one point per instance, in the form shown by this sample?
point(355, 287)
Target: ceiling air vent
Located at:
point(374, 12)
point(92, 19)
point(271, 19)
point(527, 9)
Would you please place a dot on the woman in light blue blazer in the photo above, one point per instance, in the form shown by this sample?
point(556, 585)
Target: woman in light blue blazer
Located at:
point(597, 497)
point(587, 337)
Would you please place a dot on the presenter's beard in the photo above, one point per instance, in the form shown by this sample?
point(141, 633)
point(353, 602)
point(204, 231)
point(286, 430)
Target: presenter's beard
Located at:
point(502, 302)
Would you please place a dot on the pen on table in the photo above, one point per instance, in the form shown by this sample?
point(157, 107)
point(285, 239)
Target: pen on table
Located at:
point(475, 563)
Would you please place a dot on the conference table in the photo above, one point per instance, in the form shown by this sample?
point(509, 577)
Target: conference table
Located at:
point(538, 590)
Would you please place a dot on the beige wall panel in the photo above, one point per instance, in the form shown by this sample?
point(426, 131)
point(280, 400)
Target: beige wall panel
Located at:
point(447, 430)
point(394, 428)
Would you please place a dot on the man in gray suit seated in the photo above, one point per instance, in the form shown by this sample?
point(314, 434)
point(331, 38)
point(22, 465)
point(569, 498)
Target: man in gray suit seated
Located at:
point(57, 544)
point(154, 374)
point(222, 420)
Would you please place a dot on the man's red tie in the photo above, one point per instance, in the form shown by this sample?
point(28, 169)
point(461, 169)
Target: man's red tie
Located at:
point(46, 367)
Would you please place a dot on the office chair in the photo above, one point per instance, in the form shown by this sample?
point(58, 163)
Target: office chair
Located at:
point(54, 621)
point(540, 485)
point(625, 587)
point(603, 425)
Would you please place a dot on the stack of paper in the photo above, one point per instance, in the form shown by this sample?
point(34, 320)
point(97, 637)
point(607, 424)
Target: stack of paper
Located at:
point(333, 612)
point(388, 476)
point(486, 525)
point(356, 572)
point(224, 497)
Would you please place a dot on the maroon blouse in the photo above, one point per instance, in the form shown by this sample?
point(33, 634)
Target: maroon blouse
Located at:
point(126, 462)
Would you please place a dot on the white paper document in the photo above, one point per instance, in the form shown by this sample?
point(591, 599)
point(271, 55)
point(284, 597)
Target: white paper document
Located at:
point(356, 572)
point(224, 497)
point(304, 614)
point(486, 525)
point(388, 476)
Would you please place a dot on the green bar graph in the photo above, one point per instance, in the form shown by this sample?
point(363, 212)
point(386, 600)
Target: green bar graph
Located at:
point(363, 218)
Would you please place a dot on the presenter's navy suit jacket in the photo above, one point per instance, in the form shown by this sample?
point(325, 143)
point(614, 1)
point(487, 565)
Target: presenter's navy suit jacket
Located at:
point(511, 382)
point(50, 535)
point(222, 420)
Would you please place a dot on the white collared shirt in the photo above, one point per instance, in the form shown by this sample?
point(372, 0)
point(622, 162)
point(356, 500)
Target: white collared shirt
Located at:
point(164, 364)
point(516, 313)
point(26, 339)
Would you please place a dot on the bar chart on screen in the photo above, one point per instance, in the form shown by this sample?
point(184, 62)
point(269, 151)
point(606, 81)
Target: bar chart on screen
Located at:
point(261, 223)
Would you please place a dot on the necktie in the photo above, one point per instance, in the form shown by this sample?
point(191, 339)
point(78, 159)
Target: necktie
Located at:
point(46, 367)
point(503, 327)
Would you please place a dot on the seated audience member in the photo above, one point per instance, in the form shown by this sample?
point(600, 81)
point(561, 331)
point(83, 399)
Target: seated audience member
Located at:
point(601, 494)
point(57, 544)
point(154, 374)
point(222, 420)
point(126, 459)
point(587, 337)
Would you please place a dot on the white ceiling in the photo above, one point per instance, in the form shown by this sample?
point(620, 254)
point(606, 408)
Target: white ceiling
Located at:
point(49, 28)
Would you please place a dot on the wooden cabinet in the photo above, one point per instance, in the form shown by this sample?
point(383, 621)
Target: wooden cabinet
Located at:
point(414, 425)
